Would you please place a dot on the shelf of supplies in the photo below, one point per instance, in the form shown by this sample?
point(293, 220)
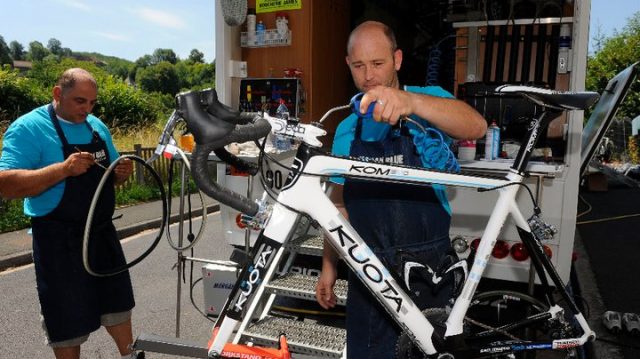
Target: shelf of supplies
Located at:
point(544, 21)
point(271, 38)
point(503, 165)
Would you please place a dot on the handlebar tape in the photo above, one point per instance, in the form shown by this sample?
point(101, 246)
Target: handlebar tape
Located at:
point(199, 168)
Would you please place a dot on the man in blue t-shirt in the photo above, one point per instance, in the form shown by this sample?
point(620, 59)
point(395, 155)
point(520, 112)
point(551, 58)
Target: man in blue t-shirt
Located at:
point(391, 218)
point(54, 157)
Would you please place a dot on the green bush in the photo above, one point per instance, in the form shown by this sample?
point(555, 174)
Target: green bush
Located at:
point(136, 193)
point(11, 216)
point(123, 106)
point(18, 95)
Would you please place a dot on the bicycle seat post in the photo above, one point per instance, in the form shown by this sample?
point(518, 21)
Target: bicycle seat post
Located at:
point(536, 129)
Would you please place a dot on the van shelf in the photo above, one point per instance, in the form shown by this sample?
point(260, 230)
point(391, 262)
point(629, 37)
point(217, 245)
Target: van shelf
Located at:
point(272, 38)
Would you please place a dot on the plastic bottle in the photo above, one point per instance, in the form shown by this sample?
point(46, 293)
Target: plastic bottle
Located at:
point(251, 27)
point(467, 150)
point(492, 142)
point(282, 143)
point(282, 26)
point(260, 32)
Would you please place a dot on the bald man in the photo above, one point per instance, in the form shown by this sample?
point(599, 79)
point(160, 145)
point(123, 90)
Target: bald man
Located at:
point(54, 157)
point(392, 219)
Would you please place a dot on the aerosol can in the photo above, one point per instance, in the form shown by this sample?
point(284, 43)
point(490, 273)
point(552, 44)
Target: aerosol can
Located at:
point(492, 142)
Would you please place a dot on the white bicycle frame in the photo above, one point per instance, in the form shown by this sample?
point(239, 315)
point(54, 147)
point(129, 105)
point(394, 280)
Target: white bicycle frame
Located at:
point(304, 192)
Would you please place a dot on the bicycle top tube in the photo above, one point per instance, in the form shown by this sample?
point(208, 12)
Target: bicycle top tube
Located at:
point(215, 126)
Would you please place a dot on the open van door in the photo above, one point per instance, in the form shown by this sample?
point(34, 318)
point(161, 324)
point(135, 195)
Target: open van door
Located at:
point(604, 112)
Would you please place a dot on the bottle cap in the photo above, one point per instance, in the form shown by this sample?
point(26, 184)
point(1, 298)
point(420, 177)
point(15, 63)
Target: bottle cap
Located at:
point(251, 11)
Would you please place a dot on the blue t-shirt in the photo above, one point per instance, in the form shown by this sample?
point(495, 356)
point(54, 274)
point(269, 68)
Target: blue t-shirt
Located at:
point(31, 142)
point(376, 131)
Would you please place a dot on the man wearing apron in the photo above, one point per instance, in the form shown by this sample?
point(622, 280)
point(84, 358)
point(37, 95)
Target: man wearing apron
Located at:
point(391, 218)
point(54, 157)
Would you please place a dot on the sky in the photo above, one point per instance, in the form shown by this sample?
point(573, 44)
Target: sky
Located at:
point(133, 28)
point(610, 15)
point(127, 29)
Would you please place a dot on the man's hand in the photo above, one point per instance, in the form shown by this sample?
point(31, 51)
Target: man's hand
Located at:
point(391, 104)
point(123, 170)
point(78, 163)
point(324, 289)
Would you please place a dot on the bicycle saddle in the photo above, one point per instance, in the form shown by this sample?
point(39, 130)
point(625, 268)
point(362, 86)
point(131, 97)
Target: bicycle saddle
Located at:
point(562, 100)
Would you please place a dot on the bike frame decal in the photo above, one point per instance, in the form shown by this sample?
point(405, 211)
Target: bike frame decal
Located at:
point(369, 271)
point(252, 275)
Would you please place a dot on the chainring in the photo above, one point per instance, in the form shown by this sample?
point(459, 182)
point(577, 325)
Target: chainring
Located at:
point(405, 346)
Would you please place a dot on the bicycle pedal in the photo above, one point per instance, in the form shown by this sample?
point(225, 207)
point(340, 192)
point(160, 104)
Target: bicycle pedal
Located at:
point(612, 321)
point(631, 323)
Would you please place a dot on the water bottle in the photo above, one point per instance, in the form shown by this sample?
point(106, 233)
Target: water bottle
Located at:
point(282, 143)
point(492, 142)
point(260, 31)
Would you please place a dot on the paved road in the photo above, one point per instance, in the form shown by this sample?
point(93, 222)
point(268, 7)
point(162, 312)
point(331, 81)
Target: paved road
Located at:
point(154, 283)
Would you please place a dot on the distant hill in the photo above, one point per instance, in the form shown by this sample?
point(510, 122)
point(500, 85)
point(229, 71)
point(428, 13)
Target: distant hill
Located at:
point(113, 65)
point(104, 58)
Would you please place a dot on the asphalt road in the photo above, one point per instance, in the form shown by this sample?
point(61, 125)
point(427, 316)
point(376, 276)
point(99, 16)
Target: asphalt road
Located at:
point(154, 281)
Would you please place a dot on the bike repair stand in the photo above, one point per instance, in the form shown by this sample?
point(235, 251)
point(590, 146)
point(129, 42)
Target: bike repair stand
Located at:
point(176, 346)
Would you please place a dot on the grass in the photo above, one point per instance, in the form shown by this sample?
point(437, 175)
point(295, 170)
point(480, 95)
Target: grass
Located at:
point(146, 136)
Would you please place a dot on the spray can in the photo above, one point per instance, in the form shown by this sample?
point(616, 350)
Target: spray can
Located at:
point(492, 142)
point(251, 27)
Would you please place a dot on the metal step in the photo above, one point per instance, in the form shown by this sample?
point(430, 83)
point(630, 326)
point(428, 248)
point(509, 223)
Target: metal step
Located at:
point(302, 337)
point(309, 245)
point(304, 286)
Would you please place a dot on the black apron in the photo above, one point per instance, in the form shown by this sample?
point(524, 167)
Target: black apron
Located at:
point(71, 299)
point(390, 218)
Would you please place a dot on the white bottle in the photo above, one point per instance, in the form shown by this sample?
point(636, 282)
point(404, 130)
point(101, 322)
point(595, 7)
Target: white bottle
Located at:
point(251, 27)
point(492, 142)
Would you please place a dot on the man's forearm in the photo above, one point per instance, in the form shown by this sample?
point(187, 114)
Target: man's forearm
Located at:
point(29, 183)
point(454, 117)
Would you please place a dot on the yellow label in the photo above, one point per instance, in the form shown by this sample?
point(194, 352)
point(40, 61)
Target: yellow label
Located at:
point(263, 6)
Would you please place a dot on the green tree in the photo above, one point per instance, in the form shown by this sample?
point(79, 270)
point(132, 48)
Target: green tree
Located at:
point(161, 78)
point(66, 52)
point(160, 55)
point(17, 50)
point(37, 51)
point(5, 53)
point(613, 55)
point(196, 56)
point(55, 46)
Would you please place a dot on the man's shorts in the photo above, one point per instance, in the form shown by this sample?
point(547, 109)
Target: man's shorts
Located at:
point(106, 320)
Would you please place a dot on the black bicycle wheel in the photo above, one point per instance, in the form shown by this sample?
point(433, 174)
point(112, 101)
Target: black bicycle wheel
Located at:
point(504, 316)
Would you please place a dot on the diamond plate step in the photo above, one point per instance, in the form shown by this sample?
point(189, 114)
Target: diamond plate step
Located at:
point(309, 245)
point(304, 286)
point(302, 337)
